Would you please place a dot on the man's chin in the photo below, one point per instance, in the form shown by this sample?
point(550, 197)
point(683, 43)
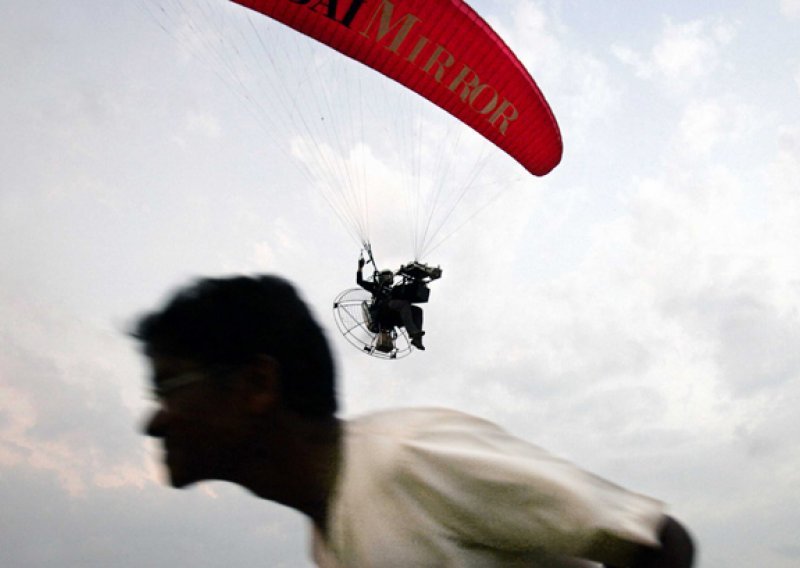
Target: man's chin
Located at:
point(180, 481)
point(179, 477)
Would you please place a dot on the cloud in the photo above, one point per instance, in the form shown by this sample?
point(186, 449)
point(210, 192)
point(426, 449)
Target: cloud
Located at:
point(575, 81)
point(64, 406)
point(797, 78)
point(753, 343)
point(708, 123)
point(790, 9)
point(130, 527)
point(702, 126)
point(203, 124)
point(683, 54)
point(689, 49)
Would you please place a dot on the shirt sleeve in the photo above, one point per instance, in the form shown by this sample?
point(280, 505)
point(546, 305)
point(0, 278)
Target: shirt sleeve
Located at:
point(488, 488)
point(367, 285)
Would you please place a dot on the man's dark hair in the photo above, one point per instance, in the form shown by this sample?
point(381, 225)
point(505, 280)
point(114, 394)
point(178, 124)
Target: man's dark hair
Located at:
point(230, 321)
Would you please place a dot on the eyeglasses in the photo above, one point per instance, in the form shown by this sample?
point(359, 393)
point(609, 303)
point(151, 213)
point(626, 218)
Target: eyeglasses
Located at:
point(167, 386)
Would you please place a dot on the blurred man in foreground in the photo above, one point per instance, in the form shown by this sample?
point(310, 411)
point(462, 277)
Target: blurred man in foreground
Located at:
point(245, 384)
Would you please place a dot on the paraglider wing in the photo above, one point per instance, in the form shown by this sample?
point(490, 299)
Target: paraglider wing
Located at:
point(444, 51)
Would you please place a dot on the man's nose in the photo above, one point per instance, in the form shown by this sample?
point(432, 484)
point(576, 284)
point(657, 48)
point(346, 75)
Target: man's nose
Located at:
point(155, 426)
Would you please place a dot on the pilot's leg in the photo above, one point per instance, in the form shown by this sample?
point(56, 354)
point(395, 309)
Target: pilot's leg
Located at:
point(411, 318)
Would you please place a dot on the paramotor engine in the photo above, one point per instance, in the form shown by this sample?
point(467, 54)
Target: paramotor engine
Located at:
point(351, 312)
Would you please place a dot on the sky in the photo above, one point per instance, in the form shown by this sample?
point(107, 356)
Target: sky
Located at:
point(636, 311)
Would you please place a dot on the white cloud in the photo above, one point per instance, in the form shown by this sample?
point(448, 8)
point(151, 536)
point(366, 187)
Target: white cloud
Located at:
point(203, 124)
point(797, 78)
point(689, 49)
point(64, 409)
point(683, 54)
point(632, 58)
point(708, 123)
point(790, 9)
point(263, 255)
point(702, 126)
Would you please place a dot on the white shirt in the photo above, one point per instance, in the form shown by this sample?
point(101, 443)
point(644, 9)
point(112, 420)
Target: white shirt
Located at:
point(434, 487)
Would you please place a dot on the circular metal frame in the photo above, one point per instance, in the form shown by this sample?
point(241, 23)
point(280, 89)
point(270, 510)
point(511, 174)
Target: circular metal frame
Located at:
point(351, 313)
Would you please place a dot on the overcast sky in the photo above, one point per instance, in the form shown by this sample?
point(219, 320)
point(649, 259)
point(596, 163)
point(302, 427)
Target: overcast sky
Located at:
point(636, 311)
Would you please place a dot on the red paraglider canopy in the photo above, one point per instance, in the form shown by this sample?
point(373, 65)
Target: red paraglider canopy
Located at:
point(444, 51)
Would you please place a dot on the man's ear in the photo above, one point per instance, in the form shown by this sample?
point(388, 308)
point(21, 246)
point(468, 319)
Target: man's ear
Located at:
point(264, 385)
